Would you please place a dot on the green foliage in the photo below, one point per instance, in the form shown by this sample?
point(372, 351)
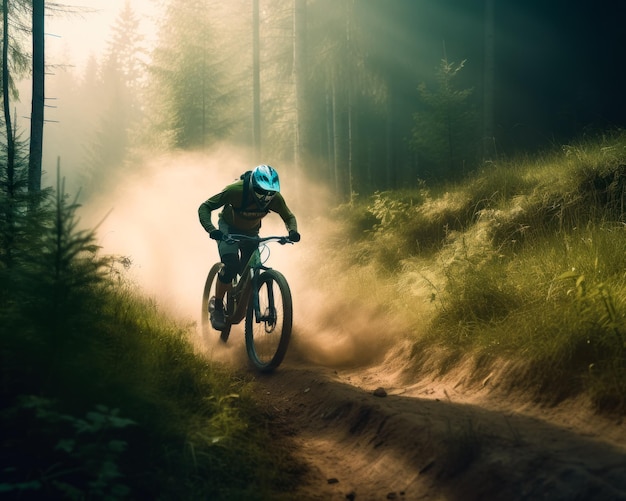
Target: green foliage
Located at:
point(522, 264)
point(50, 284)
point(603, 314)
point(103, 396)
point(390, 219)
point(191, 80)
point(476, 291)
point(19, 60)
point(84, 455)
point(14, 198)
point(444, 132)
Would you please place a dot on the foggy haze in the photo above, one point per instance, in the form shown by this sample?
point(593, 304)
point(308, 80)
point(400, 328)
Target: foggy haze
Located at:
point(457, 170)
point(152, 170)
point(557, 72)
point(151, 218)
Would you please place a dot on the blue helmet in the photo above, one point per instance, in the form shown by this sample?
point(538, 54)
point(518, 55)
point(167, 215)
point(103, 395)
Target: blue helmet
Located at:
point(264, 183)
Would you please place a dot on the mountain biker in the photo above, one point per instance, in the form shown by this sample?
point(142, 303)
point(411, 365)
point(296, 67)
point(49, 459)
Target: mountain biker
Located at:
point(246, 202)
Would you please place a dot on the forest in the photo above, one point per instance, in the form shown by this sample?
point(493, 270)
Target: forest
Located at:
point(361, 96)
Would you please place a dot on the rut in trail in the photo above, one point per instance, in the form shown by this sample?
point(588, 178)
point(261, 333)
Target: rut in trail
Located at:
point(431, 441)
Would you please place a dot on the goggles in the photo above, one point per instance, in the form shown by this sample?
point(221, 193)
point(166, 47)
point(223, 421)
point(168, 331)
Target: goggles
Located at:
point(264, 196)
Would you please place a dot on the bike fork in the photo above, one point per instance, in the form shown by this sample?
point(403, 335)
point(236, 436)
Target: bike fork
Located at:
point(268, 316)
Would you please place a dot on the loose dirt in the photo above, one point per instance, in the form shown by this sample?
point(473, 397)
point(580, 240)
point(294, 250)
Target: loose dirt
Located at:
point(376, 433)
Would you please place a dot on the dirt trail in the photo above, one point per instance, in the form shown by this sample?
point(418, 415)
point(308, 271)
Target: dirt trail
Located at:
point(431, 440)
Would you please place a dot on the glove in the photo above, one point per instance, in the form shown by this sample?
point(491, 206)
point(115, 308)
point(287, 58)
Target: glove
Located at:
point(217, 235)
point(294, 236)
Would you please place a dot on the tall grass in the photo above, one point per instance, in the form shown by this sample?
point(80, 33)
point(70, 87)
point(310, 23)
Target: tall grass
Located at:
point(520, 264)
point(102, 394)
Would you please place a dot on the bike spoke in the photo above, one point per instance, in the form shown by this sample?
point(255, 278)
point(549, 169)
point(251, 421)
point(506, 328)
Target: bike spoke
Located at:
point(269, 328)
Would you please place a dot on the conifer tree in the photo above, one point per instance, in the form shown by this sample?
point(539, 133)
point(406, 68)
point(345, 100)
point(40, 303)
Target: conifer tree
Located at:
point(188, 96)
point(118, 87)
point(444, 133)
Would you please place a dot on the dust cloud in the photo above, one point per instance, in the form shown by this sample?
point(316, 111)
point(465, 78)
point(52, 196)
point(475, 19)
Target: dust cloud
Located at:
point(151, 218)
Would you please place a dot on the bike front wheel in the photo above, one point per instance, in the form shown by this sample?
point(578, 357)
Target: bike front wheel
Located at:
point(209, 292)
point(268, 328)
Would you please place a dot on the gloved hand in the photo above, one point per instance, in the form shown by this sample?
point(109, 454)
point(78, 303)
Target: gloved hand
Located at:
point(294, 236)
point(217, 235)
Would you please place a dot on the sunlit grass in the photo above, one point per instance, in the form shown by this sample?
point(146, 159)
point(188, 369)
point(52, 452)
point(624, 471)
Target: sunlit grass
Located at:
point(522, 264)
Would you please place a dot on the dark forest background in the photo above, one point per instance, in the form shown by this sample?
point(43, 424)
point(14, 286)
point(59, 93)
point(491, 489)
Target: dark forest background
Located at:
point(361, 95)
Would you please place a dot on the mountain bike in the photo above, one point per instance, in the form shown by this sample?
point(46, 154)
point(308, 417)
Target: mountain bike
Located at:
point(262, 296)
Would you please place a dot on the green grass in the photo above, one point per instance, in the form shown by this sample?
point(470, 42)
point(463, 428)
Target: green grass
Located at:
point(521, 264)
point(103, 395)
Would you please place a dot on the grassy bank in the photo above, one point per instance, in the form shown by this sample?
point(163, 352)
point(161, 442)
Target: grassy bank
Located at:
point(103, 396)
point(521, 264)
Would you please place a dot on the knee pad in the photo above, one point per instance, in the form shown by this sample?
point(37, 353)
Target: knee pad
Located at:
point(230, 269)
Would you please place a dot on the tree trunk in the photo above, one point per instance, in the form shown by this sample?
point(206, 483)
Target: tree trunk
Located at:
point(37, 113)
point(330, 156)
point(256, 82)
point(299, 64)
point(351, 84)
point(5, 99)
point(8, 236)
point(389, 142)
point(488, 83)
point(350, 146)
point(335, 139)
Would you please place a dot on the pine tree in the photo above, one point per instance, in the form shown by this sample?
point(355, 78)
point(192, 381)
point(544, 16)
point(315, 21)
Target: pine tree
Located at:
point(445, 131)
point(190, 96)
point(118, 91)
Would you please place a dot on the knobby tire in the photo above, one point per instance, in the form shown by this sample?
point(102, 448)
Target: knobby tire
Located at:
point(266, 343)
point(209, 291)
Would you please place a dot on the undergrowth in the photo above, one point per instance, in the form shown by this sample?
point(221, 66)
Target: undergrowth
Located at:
point(103, 396)
point(522, 263)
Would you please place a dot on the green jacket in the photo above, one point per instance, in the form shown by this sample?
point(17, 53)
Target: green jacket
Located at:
point(245, 219)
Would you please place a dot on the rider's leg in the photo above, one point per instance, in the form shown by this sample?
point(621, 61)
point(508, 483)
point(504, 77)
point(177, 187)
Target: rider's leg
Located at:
point(226, 276)
point(222, 286)
point(220, 291)
point(247, 248)
point(233, 264)
point(229, 255)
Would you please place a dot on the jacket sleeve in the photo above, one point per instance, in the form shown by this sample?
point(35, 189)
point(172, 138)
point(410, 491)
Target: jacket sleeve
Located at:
point(207, 207)
point(280, 206)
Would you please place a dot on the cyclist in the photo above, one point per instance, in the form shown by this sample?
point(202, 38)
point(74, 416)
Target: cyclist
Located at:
point(246, 202)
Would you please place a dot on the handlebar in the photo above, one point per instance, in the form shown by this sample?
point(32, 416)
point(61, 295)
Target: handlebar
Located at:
point(234, 238)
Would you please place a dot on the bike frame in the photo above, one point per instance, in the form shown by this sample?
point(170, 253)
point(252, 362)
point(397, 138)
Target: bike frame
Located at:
point(241, 292)
point(260, 295)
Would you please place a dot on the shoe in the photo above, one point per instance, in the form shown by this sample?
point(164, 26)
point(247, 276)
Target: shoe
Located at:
point(217, 316)
point(217, 320)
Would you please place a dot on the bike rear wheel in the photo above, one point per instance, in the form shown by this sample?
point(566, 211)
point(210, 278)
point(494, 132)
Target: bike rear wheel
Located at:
point(267, 337)
point(209, 292)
